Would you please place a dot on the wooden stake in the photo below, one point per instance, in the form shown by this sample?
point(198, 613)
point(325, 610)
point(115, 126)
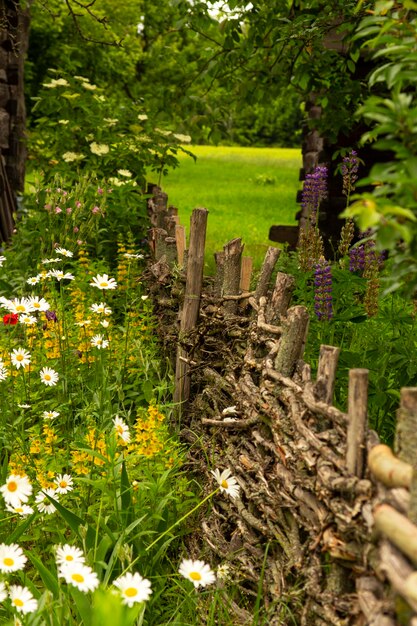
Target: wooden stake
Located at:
point(281, 297)
point(218, 279)
point(271, 257)
point(406, 440)
point(231, 277)
point(358, 417)
point(181, 243)
point(326, 373)
point(169, 224)
point(291, 345)
point(167, 247)
point(157, 205)
point(155, 236)
point(193, 286)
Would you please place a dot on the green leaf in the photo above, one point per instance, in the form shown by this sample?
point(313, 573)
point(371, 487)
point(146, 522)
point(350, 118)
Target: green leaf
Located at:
point(49, 580)
point(125, 488)
point(19, 530)
point(148, 390)
point(82, 602)
point(73, 521)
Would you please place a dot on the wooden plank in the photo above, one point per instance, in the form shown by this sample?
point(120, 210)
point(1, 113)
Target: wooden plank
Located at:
point(181, 243)
point(284, 234)
point(246, 273)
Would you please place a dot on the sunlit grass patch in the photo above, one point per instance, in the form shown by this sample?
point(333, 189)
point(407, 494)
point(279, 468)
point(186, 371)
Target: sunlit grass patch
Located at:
point(246, 191)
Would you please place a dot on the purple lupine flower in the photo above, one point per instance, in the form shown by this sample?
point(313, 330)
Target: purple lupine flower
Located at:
point(314, 191)
point(323, 301)
point(357, 258)
point(363, 255)
point(349, 169)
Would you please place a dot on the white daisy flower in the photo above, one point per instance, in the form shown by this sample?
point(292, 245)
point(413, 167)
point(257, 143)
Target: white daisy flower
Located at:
point(64, 252)
point(144, 297)
point(33, 280)
point(102, 281)
point(223, 571)
point(28, 320)
point(50, 415)
point(226, 482)
point(101, 308)
point(2, 260)
point(39, 304)
point(49, 376)
point(22, 599)
point(20, 305)
point(133, 588)
point(64, 483)
point(44, 505)
point(198, 572)
point(69, 554)
point(79, 575)
point(16, 489)
point(48, 261)
point(121, 428)
point(99, 342)
point(12, 558)
point(5, 302)
point(3, 372)
point(105, 323)
point(60, 275)
point(3, 591)
point(23, 509)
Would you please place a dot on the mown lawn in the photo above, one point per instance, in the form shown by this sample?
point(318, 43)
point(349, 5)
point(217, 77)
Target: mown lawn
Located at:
point(246, 190)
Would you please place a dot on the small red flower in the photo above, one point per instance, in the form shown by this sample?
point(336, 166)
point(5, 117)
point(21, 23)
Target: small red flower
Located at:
point(10, 318)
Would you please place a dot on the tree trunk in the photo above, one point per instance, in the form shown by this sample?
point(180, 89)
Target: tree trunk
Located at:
point(14, 36)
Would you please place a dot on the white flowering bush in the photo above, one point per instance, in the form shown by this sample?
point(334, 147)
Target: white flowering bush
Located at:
point(78, 127)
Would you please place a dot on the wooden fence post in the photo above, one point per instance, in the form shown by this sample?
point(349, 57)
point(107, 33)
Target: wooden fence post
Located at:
point(406, 441)
point(358, 417)
point(291, 345)
point(218, 279)
point(326, 373)
point(157, 205)
point(281, 297)
point(193, 286)
point(231, 275)
point(271, 257)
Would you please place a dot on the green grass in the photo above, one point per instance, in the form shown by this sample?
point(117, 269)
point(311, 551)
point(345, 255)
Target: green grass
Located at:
point(231, 182)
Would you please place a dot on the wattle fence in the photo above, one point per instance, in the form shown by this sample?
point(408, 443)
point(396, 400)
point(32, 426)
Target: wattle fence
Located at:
point(325, 528)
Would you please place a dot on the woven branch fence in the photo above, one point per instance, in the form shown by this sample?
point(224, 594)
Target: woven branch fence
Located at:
point(326, 521)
